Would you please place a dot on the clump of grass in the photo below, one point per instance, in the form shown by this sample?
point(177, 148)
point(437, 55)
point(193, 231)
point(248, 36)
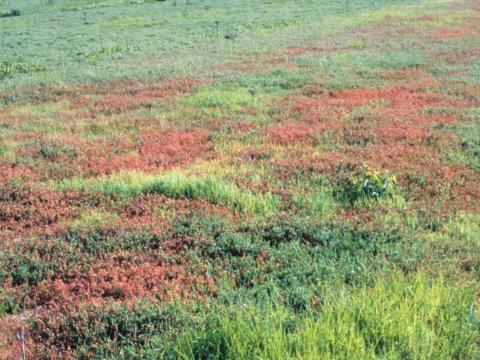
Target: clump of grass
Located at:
point(175, 185)
point(319, 203)
point(111, 51)
point(10, 68)
point(455, 248)
point(93, 218)
point(7, 303)
point(217, 98)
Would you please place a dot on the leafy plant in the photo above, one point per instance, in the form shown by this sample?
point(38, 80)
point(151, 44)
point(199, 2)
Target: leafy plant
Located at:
point(366, 186)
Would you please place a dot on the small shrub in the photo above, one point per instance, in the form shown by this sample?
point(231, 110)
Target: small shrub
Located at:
point(366, 186)
point(13, 12)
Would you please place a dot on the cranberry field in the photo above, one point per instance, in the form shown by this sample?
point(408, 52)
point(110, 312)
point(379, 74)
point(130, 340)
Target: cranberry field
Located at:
point(239, 179)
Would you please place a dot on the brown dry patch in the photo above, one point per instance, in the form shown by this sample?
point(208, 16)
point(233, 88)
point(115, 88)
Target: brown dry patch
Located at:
point(294, 160)
point(174, 146)
point(407, 74)
point(403, 102)
point(130, 98)
point(150, 151)
point(467, 28)
point(14, 172)
point(256, 153)
point(121, 280)
point(400, 132)
point(297, 51)
point(290, 133)
point(108, 97)
point(24, 209)
point(15, 342)
point(427, 18)
point(265, 63)
point(452, 33)
point(253, 64)
point(147, 212)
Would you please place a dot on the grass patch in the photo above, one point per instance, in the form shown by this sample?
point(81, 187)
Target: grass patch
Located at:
point(469, 140)
point(93, 218)
point(361, 68)
point(279, 81)
point(124, 22)
point(175, 185)
point(113, 51)
point(291, 259)
point(455, 249)
point(9, 69)
point(398, 317)
point(318, 204)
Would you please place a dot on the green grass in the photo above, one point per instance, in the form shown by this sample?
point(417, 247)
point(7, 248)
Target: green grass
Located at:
point(468, 150)
point(290, 259)
point(318, 204)
point(395, 318)
point(175, 185)
point(191, 42)
point(9, 69)
point(220, 101)
point(361, 68)
point(455, 249)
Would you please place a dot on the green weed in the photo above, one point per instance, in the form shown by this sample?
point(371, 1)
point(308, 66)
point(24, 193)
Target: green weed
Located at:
point(9, 69)
point(367, 186)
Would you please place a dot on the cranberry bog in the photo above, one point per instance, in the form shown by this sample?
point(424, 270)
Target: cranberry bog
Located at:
point(219, 179)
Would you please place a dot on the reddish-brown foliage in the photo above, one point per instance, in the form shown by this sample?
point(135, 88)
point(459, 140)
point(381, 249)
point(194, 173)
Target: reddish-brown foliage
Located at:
point(24, 208)
point(123, 280)
point(463, 30)
point(150, 151)
point(289, 133)
point(116, 99)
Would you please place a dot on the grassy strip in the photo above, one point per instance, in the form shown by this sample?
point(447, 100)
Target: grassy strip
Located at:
point(175, 185)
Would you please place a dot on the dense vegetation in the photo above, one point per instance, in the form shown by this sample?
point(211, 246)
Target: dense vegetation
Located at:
point(217, 179)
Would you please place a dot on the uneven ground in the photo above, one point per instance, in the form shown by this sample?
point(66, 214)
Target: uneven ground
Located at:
point(240, 179)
